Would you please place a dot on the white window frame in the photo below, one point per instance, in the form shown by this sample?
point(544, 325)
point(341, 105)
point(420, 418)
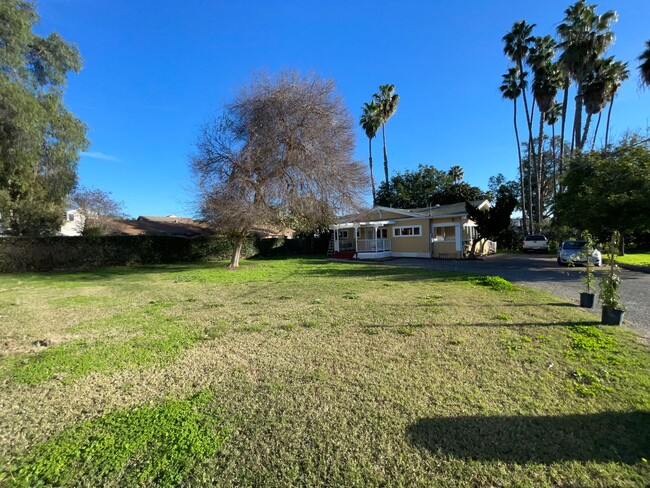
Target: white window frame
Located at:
point(446, 238)
point(343, 233)
point(418, 227)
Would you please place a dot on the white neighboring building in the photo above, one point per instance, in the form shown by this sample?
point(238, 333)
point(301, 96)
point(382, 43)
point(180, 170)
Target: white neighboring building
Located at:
point(73, 224)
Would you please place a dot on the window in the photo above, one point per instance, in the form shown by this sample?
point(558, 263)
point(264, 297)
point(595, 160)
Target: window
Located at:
point(411, 231)
point(70, 217)
point(382, 233)
point(445, 233)
point(343, 234)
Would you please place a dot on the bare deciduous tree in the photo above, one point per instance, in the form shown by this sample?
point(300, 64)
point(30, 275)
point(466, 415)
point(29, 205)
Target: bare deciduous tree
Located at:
point(98, 210)
point(281, 151)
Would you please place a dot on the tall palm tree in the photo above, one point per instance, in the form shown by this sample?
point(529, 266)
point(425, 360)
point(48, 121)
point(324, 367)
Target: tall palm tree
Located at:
point(387, 100)
point(599, 88)
point(584, 37)
point(517, 43)
point(551, 117)
point(644, 67)
point(546, 84)
point(511, 90)
point(456, 173)
point(618, 73)
point(370, 121)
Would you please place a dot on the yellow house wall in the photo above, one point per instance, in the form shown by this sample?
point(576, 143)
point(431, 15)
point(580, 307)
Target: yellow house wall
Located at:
point(410, 244)
point(445, 249)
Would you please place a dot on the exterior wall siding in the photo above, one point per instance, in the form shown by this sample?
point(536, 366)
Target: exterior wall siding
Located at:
point(410, 244)
point(445, 249)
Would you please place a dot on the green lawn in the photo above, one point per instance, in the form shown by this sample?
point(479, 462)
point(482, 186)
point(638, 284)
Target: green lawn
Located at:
point(312, 373)
point(637, 259)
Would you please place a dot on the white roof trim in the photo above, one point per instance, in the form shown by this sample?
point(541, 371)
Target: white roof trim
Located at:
point(350, 225)
point(398, 211)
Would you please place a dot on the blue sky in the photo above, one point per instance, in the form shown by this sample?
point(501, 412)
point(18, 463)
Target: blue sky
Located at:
point(154, 71)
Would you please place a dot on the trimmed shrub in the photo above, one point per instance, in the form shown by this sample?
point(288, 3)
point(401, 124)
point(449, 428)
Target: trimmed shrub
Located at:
point(60, 253)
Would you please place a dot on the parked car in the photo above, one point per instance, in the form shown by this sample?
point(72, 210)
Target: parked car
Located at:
point(535, 242)
point(574, 252)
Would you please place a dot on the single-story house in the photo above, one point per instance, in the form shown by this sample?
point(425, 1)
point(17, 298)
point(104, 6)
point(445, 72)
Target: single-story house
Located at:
point(443, 231)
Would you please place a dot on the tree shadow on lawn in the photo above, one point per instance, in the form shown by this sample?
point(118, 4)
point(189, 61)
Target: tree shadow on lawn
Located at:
point(622, 437)
point(496, 323)
point(101, 274)
point(389, 273)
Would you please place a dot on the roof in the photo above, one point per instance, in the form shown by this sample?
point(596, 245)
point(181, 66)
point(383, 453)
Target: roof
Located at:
point(375, 213)
point(452, 210)
point(172, 225)
point(160, 226)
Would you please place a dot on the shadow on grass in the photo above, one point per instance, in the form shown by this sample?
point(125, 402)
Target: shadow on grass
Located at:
point(496, 323)
point(603, 437)
point(386, 272)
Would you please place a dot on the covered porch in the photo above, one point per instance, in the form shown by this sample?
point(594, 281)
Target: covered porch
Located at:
point(366, 240)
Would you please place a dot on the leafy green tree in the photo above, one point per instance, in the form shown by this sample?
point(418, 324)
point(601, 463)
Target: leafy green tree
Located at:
point(493, 222)
point(644, 67)
point(427, 186)
point(370, 121)
point(609, 190)
point(496, 182)
point(387, 101)
point(39, 139)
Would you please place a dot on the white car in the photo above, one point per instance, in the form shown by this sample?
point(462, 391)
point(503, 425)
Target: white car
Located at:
point(574, 252)
point(535, 242)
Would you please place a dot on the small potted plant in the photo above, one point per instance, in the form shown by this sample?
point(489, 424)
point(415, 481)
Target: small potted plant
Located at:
point(613, 310)
point(587, 297)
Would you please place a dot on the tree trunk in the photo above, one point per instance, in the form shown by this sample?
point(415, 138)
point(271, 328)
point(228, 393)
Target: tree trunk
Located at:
point(540, 169)
point(565, 103)
point(383, 135)
point(577, 120)
point(524, 220)
point(593, 141)
point(554, 168)
point(372, 179)
point(609, 114)
point(586, 131)
point(237, 244)
point(621, 249)
point(531, 150)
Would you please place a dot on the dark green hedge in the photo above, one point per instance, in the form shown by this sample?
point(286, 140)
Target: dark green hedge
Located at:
point(59, 253)
point(18, 254)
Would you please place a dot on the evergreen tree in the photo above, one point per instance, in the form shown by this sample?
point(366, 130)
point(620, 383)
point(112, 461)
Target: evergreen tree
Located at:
point(40, 139)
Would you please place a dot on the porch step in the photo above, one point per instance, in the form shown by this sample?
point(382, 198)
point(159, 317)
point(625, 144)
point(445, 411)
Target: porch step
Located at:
point(344, 254)
point(330, 247)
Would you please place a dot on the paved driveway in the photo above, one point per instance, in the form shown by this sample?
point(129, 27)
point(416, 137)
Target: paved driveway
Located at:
point(542, 271)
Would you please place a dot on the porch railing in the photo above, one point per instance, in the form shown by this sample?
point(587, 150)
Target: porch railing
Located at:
point(373, 245)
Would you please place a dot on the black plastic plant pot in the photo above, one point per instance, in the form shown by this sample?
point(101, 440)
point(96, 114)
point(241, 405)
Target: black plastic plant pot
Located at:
point(587, 300)
point(612, 316)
